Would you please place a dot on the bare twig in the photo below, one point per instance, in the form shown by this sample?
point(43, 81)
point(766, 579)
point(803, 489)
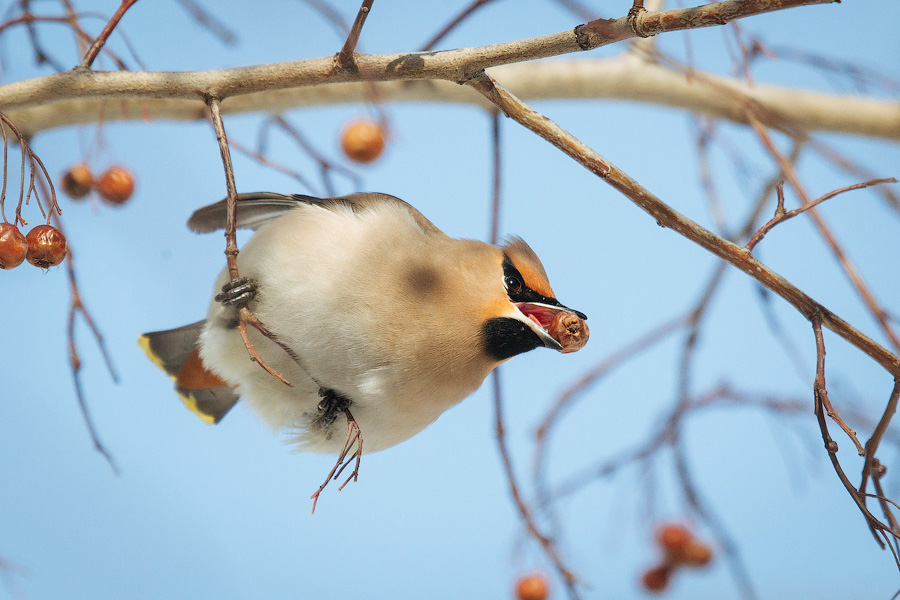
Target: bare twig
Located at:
point(454, 23)
point(77, 307)
point(354, 438)
point(41, 57)
point(850, 270)
point(861, 76)
point(231, 249)
point(891, 198)
point(819, 395)
point(209, 21)
point(872, 465)
point(666, 216)
point(781, 215)
point(663, 436)
point(326, 167)
point(94, 50)
point(547, 544)
point(266, 161)
point(70, 20)
point(345, 56)
point(702, 509)
point(33, 162)
point(329, 14)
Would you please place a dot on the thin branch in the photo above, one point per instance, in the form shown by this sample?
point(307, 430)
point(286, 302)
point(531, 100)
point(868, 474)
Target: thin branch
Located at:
point(819, 391)
point(345, 56)
point(326, 167)
point(666, 216)
point(94, 50)
point(662, 438)
point(547, 544)
point(76, 307)
point(702, 509)
point(872, 444)
point(353, 438)
point(266, 161)
point(782, 216)
point(891, 198)
point(209, 21)
point(454, 23)
point(852, 273)
point(328, 12)
point(231, 249)
point(40, 55)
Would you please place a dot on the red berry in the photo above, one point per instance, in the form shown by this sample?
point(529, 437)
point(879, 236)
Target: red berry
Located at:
point(695, 553)
point(46, 246)
point(673, 537)
point(362, 141)
point(13, 247)
point(657, 578)
point(116, 185)
point(532, 587)
point(77, 182)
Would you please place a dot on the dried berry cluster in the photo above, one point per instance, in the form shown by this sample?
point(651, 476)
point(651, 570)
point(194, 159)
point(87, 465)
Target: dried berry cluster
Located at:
point(116, 184)
point(44, 246)
point(680, 549)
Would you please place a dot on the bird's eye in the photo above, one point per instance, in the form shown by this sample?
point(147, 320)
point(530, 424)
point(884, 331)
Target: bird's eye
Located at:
point(513, 284)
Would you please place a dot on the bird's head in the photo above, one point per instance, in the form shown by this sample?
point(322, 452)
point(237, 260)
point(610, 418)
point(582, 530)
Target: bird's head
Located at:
point(518, 320)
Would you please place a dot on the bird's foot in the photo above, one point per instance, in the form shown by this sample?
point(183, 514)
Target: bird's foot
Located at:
point(332, 404)
point(353, 439)
point(238, 292)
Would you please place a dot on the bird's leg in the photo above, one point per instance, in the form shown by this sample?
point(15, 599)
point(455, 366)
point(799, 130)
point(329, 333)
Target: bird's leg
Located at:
point(238, 292)
point(332, 404)
point(354, 437)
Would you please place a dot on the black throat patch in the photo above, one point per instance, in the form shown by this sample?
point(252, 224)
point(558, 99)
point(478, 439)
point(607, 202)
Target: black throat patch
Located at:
point(505, 337)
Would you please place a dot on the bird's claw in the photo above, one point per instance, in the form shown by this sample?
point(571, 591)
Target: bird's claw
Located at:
point(331, 405)
point(238, 292)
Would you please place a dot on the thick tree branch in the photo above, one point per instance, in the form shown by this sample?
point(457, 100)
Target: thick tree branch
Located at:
point(129, 96)
point(81, 97)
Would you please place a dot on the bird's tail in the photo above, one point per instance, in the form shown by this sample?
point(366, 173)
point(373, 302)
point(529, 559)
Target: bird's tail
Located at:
point(176, 352)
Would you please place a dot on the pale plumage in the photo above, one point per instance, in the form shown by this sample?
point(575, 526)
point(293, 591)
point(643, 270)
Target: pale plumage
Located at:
point(379, 306)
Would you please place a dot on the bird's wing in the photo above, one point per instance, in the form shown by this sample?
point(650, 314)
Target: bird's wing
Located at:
point(256, 208)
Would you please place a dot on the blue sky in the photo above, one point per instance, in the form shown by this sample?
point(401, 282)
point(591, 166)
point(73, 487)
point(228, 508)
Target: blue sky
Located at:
point(223, 512)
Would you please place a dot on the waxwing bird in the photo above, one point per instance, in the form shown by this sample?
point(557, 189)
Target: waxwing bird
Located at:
point(382, 312)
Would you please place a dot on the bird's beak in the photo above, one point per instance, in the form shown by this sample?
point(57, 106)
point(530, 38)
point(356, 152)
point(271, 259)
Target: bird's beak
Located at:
point(539, 317)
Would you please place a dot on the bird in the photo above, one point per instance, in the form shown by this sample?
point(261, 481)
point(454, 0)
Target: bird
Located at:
point(372, 311)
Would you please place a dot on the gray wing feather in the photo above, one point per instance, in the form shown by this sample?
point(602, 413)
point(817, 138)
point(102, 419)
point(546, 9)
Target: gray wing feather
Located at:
point(253, 210)
point(256, 208)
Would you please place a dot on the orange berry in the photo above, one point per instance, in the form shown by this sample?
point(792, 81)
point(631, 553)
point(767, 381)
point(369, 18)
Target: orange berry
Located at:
point(657, 578)
point(695, 554)
point(116, 185)
point(673, 537)
point(13, 247)
point(46, 246)
point(77, 182)
point(362, 141)
point(532, 587)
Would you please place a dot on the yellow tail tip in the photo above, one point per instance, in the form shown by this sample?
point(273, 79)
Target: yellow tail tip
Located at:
point(191, 404)
point(144, 344)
